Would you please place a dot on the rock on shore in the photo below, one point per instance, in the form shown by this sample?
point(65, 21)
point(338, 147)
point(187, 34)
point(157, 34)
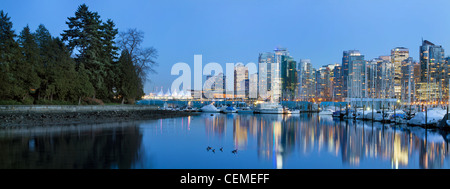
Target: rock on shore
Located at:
point(26, 119)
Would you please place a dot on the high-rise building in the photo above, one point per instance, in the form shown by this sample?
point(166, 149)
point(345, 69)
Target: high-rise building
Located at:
point(337, 83)
point(324, 79)
point(306, 80)
point(265, 63)
point(240, 81)
point(379, 74)
point(432, 77)
point(253, 81)
point(372, 78)
point(407, 81)
point(288, 77)
point(354, 68)
point(398, 55)
point(215, 85)
point(276, 74)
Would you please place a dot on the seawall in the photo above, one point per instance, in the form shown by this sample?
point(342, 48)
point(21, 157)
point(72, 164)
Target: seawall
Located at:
point(29, 116)
point(73, 108)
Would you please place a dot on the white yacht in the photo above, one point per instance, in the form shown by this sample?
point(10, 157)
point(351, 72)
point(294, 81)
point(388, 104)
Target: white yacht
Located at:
point(326, 112)
point(210, 108)
point(433, 117)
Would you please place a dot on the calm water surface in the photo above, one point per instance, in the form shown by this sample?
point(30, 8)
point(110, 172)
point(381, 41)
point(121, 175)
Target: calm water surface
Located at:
point(262, 141)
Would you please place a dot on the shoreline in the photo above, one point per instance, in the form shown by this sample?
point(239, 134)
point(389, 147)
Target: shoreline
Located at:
point(24, 117)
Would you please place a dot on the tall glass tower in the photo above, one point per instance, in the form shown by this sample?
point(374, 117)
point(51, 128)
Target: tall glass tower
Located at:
point(354, 68)
point(432, 75)
point(398, 55)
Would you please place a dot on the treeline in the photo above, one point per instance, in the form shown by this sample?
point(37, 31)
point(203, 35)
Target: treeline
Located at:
point(82, 66)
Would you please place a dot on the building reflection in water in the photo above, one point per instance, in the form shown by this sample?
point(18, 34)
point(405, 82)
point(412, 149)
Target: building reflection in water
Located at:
point(280, 136)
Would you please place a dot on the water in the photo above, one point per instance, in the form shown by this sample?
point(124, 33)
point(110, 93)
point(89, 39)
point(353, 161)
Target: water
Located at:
point(262, 141)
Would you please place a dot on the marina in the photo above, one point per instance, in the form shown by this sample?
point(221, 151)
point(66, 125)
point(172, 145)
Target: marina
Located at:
point(411, 116)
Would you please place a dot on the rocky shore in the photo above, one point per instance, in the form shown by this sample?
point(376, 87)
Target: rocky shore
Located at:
point(29, 119)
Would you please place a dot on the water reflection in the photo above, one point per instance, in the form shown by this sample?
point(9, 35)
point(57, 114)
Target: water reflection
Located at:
point(263, 141)
point(89, 146)
point(354, 142)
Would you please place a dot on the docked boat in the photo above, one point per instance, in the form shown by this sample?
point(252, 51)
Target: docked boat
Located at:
point(269, 108)
point(190, 109)
point(338, 113)
point(433, 117)
point(291, 111)
point(222, 108)
point(326, 112)
point(166, 107)
point(369, 115)
point(385, 118)
point(349, 114)
point(245, 110)
point(399, 117)
point(230, 109)
point(210, 108)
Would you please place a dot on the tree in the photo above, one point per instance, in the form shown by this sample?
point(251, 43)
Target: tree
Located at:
point(109, 56)
point(9, 58)
point(83, 86)
point(143, 58)
point(85, 36)
point(44, 42)
point(27, 69)
point(129, 82)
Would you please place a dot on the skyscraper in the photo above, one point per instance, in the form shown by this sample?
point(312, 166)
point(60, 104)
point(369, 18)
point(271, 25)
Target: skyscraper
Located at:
point(407, 81)
point(276, 74)
point(379, 74)
point(240, 81)
point(354, 68)
point(288, 77)
point(324, 82)
point(265, 63)
point(337, 83)
point(432, 75)
point(398, 55)
point(306, 80)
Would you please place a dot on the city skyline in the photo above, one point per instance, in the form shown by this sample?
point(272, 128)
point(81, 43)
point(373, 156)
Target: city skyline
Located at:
point(318, 31)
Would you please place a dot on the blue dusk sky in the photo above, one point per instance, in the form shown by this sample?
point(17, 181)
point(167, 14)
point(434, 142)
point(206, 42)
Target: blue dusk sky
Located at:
point(231, 31)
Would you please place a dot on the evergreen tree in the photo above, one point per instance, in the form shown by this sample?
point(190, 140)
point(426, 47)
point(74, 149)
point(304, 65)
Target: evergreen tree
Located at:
point(44, 41)
point(9, 58)
point(83, 86)
point(129, 82)
point(27, 69)
point(85, 35)
point(42, 36)
point(109, 57)
point(64, 73)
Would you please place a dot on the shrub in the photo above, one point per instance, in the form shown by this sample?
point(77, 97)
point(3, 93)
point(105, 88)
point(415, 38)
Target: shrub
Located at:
point(27, 101)
point(92, 101)
point(9, 102)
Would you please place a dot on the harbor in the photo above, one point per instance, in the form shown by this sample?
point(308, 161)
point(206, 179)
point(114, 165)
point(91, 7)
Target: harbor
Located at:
point(374, 110)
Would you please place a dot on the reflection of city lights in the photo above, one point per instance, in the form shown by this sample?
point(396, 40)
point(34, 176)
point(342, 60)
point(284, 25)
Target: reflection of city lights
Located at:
point(280, 137)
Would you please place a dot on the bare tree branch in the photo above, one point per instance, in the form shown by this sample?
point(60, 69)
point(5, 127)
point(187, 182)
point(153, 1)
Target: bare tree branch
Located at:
point(143, 58)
